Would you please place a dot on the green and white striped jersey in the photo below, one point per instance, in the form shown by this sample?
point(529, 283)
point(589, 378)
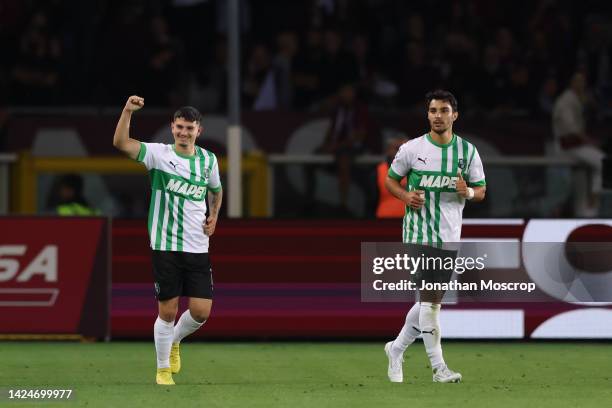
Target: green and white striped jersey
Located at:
point(179, 184)
point(433, 168)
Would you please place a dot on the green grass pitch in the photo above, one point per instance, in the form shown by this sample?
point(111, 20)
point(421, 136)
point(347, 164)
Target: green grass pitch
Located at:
point(255, 374)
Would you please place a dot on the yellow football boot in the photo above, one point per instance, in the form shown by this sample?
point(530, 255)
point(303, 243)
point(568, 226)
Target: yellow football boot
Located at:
point(175, 358)
point(164, 376)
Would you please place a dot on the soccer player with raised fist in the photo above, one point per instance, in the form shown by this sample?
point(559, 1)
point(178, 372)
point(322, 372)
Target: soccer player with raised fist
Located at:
point(443, 171)
point(181, 174)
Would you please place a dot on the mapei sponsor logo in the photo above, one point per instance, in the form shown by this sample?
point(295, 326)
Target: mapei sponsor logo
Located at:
point(43, 265)
point(438, 181)
point(186, 189)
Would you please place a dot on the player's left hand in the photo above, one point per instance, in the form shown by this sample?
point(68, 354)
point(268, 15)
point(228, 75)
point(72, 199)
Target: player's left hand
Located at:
point(209, 226)
point(462, 188)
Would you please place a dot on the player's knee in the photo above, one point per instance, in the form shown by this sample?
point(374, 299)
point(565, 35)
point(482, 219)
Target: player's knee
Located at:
point(168, 310)
point(167, 315)
point(200, 314)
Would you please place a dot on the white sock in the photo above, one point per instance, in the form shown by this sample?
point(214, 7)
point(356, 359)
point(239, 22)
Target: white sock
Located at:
point(185, 326)
point(163, 332)
point(409, 332)
point(429, 322)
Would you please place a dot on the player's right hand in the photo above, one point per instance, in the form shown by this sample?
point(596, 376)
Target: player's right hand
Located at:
point(134, 103)
point(415, 199)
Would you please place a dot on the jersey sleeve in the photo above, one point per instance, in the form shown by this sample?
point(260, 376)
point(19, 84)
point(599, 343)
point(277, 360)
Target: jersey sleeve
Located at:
point(214, 182)
point(401, 163)
point(476, 176)
point(148, 154)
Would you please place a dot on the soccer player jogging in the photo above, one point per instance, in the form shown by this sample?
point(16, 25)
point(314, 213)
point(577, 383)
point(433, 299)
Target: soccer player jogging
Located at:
point(443, 171)
point(181, 176)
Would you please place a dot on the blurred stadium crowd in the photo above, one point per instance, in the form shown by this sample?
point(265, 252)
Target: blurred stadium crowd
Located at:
point(533, 78)
point(505, 57)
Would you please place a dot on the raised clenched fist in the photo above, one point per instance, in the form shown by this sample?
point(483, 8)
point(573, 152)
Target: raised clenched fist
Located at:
point(134, 103)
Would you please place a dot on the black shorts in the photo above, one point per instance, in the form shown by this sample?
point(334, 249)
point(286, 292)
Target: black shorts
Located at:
point(435, 260)
point(182, 274)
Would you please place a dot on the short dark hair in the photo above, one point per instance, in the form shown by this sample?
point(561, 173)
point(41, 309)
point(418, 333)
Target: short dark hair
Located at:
point(441, 95)
point(189, 113)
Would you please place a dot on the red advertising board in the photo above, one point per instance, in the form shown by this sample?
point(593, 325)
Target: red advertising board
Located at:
point(300, 279)
point(54, 276)
point(273, 279)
